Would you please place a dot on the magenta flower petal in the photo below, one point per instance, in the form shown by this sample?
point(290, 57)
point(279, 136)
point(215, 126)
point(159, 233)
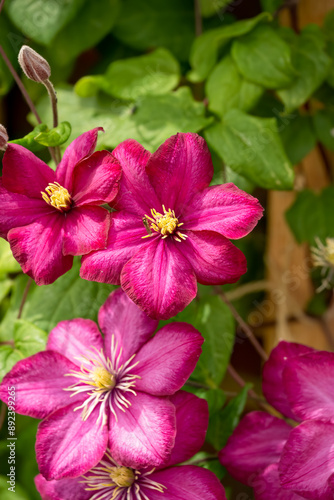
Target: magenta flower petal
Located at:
point(181, 167)
point(159, 279)
point(39, 383)
point(214, 259)
point(166, 362)
point(131, 327)
point(256, 443)
point(272, 384)
point(38, 249)
point(192, 419)
point(82, 146)
point(73, 338)
point(307, 460)
point(18, 210)
point(224, 209)
point(308, 382)
point(85, 229)
point(67, 446)
point(64, 489)
point(187, 483)
point(24, 173)
point(136, 194)
point(267, 486)
point(95, 179)
point(144, 435)
point(125, 239)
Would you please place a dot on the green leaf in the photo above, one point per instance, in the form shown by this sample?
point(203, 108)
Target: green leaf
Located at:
point(226, 89)
point(151, 121)
point(252, 147)
point(323, 122)
point(204, 52)
point(204, 459)
point(8, 358)
point(41, 20)
point(67, 298)
point(271, 5)
point(150, 23)
point(264, 58)
point(153, 74)
point(222, 424)
point(214, 320)
point(298, 138)
point(214, 397)
point(8, 495)
point(312, 65)
point(56, 136)
point(28, 141)
point(7, 262)
point(211, 7)
point(5, 287)
point(28, 338)
point(92, 22)
point(311, 215)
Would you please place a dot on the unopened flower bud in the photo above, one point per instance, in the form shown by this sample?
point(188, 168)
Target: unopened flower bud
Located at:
point(34, 65)
point(3, 138)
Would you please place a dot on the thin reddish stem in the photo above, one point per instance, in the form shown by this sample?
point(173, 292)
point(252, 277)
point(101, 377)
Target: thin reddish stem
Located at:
point(240, 381)
point(24, 297)
point(243, 325)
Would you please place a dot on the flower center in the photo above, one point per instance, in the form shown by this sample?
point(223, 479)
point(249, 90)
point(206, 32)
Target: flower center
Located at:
point(57, 196)
point(110, 481)
point(166, 224)
point(103, 379)
point(122, 476)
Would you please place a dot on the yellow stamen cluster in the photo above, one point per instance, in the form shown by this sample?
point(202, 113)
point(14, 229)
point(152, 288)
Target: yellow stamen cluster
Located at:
point(102, 379)
point(167, 224)
point(57, 196)
point(122, 476)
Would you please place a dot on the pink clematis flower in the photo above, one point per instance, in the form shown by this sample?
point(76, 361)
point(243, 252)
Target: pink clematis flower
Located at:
point(48, 216)
point(254, 452)
point(110, 480)
point(95, 393)
point(171, 229)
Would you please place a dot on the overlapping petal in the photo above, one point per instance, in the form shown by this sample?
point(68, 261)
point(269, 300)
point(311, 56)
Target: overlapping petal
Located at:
point(73, 338)
point(82, 146)
point(125, 239)
point(256, 443)
point(144, 435)
point(307, 460)
point(159, 279)
point(95, 179)
point(308, 382)
point(38, 249)
point(85, 229)
point(18, 210)
point(166, 362)
point(192, 419)
point(214, 259)
point(24, 173)
point(224, 209)
point(64, 489)
point(67, 446)
point(187, 483)
point(39, 383)
point(272, 384)
point(136, 194)
point(131, 327)
point(267, 486)
point(180, 168)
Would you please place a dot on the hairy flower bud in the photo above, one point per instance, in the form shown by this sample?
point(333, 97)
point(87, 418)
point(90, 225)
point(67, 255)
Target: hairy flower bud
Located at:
point(34, 65)
point(3, 138)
